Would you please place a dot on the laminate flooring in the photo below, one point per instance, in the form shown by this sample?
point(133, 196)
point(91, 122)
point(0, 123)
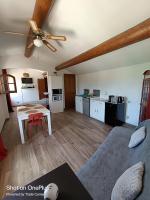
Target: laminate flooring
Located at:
point(75, 138)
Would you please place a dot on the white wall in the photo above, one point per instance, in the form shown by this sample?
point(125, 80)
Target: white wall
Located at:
point(3, 109)
point(25, 95)
point(126, 81)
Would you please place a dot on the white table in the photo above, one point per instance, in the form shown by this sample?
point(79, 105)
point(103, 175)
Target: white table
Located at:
point(23, 113)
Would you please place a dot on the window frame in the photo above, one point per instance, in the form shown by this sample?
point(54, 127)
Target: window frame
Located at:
point(4, 84)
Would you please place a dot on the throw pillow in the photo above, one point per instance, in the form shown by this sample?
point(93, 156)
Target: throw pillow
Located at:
point(137, 137)
point(129, 184)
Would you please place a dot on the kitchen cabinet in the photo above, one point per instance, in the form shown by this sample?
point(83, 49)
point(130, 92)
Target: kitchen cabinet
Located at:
point(97, 109)
point(55, 82)
point(57, 106)
point(79, 104)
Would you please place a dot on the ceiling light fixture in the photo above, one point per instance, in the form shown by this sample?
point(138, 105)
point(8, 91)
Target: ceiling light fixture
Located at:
point(38, 42)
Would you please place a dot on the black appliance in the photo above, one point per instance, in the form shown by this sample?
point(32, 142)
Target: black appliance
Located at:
point(121, 99)
point(115, 114)
point(56, 94)
point(56, 91)
point(111, 97)
point(27, 80)
point(86, 106)
point(57, 97)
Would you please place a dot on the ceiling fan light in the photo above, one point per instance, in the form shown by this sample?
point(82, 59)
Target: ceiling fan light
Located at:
point(38, 42)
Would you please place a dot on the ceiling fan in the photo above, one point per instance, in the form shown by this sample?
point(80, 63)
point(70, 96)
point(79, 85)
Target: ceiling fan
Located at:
point(39, 37)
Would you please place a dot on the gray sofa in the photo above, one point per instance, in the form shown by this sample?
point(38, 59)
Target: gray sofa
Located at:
point(111, 159)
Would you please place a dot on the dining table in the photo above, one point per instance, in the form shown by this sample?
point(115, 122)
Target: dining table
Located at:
point(23, 113)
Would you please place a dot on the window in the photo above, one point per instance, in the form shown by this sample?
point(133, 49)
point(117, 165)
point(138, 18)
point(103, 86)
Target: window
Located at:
point(7, 84)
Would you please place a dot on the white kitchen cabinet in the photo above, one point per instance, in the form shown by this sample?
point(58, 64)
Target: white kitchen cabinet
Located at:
point(57, 106)
point(55, 82)
point(79, 104)
point(97, 109)
point(101, 111)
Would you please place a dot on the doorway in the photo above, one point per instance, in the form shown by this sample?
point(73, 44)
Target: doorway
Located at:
point(69, 90)
point(145, 100)
point(43, 90)
point(8, 86)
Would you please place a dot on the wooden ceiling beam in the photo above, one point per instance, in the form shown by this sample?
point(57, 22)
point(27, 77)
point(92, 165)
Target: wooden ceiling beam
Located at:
point(41, 10)
point(136, 34)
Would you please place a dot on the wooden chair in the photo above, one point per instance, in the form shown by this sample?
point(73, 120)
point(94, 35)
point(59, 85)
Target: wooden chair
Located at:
point(35, 120)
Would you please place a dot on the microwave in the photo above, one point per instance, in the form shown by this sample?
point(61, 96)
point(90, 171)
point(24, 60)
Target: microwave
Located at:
point(57, 98)
point(56, 91)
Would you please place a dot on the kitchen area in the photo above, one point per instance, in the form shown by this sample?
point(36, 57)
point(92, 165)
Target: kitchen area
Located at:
point(110, 109)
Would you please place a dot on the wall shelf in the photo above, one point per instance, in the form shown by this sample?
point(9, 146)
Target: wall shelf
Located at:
point(27, 88)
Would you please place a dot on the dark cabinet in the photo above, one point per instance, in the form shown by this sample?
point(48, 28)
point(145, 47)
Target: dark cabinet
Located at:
point(115, 114)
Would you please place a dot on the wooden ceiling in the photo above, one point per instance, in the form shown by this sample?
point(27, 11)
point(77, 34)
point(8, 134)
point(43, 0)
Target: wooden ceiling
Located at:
point(41, 11)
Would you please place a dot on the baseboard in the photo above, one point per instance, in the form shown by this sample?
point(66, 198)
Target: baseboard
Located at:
point(129, 125)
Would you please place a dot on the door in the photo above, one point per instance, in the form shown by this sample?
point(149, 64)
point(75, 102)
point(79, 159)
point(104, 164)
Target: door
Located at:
point(70, 90)
point(79, 104)
point(8, 84)
point(145, 100)
point(97, 110)
point(92, 108)
point(101, 111)
point(42, 87)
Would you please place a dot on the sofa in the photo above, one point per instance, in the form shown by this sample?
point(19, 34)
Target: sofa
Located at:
point(111, 159)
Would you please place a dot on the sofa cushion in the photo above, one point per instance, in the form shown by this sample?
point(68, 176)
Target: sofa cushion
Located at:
point(137, 137)
point(129, 184)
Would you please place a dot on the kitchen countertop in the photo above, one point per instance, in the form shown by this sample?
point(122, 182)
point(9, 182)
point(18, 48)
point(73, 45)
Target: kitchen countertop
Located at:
point(94, 98)
point(98, 99)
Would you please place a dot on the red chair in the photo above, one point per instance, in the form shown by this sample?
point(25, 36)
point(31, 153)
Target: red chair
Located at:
point(35, 120)
point(3, 150)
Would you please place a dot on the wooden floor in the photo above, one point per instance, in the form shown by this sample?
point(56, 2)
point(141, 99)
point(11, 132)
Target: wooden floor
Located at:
point(75, 138)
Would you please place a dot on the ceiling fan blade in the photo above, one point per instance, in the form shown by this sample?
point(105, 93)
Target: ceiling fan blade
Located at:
point(51, 47)
point(34, 26)
point(30, 45)
point(53, 37)
point(14, 33)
